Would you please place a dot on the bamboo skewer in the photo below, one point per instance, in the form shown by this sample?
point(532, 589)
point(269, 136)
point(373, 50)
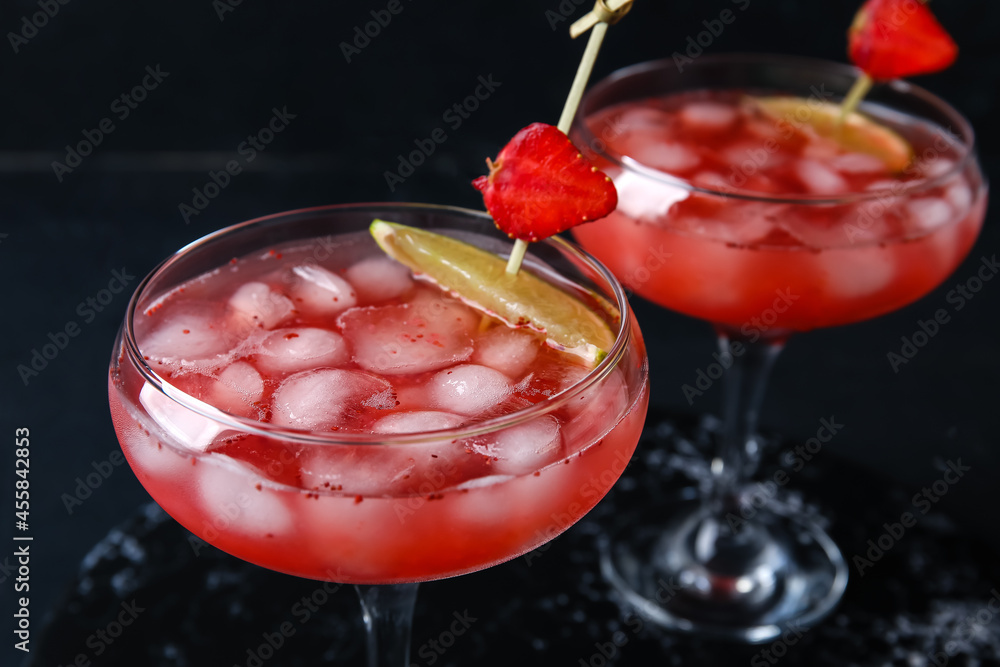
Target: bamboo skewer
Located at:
point(854, 96)
point(597, 20)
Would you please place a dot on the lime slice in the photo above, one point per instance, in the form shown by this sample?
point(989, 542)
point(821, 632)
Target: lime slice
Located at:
point(856, 133)
point(480, 279)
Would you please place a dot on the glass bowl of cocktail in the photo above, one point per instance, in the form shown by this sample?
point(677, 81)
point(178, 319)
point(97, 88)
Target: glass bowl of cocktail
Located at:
point(742, 202)
point(298, 399)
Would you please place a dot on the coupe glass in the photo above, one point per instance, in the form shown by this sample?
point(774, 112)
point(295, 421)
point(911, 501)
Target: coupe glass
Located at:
point(759, 267)
point(382, 543)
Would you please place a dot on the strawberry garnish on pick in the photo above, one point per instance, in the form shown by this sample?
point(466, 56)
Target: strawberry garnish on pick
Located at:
point(892, 39)
point(540, 185)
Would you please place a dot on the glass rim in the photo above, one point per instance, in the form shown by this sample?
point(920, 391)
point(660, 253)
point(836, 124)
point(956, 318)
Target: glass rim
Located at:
point(612, 359)
point(964, 137)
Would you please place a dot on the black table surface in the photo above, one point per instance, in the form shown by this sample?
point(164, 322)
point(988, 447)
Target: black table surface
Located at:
point(220, 72)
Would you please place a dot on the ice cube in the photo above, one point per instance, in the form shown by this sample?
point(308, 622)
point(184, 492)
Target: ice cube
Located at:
point(521, 449)
point(669, 157)
point(509, 351)
point(644, 199)
point(323, 399)
point(417, 421)
point(189, 339)
point(233, 500)
point(494, 500)
point(571, 375)
point(765, 127)
point(959, 195)
point(408, 338)
point(820, 179)
point(741, 223)
point(185, 427)
point(858, 163)
point(379, 279)
point(857, 271)
point(928, 213)
point(146, 454)
point(820, 148)
point(936, 166)
point(237, 390)
point(751, 160)
point(595, 411)
point(319, 291)
point(708, 115)
point(389, 470)
point(482, 482)
point(712, 180)
point(255, 305)
point(468, 389)
point(297, 349)
point(638, 118)
point(367, 470)
point(884, 184)
point(742, 232)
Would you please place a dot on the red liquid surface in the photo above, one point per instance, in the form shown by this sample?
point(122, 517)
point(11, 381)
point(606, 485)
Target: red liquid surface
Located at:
point(765, 266)
point(392, 354)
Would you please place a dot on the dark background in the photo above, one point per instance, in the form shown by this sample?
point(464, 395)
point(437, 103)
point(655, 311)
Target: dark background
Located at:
point(61, 240)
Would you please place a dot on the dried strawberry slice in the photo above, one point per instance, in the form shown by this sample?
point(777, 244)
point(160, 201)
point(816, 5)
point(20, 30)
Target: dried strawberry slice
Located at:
point(892, 39)
point(540, 185)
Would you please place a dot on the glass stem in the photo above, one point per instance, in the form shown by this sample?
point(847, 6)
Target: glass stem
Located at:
point(388, 614)
point(748, 364)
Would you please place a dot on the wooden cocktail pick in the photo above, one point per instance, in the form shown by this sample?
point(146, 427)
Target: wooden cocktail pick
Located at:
point(597, 20)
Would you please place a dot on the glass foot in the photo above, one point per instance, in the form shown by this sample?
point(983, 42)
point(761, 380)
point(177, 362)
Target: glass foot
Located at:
point(743, 580)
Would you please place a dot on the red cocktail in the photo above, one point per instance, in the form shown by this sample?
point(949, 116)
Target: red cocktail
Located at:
point(298, 399)
point(744, 201)
point(767, 212)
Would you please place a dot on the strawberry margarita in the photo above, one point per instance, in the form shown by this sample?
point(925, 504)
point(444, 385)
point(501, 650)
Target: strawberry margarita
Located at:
point(312, 407)
point(750, 197)
point(729, 212)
